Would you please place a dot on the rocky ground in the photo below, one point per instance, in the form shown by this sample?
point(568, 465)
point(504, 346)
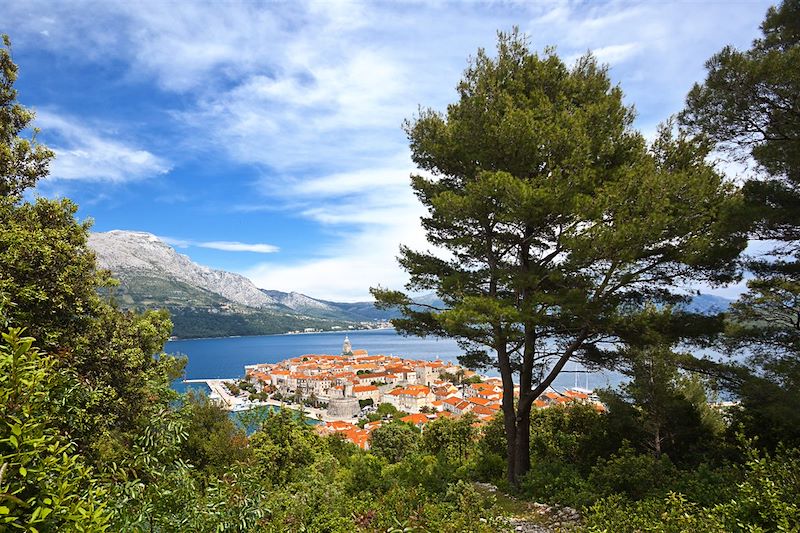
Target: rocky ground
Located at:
point(532, 517)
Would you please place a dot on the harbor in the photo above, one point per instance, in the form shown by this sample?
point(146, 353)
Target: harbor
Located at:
point(219, 393)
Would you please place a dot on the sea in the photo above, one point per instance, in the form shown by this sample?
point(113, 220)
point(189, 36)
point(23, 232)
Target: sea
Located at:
point(225, 358)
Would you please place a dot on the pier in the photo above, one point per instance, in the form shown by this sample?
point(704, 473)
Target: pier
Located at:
point(219, 391)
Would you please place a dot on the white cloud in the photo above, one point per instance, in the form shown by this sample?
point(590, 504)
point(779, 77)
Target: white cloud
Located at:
point(226, 246)
point(616, 53)
point(233, 246)
point(344, 269)
point(370, 212)
point(92, 154)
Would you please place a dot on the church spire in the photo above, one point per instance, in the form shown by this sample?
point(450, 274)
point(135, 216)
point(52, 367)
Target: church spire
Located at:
point(347, 348)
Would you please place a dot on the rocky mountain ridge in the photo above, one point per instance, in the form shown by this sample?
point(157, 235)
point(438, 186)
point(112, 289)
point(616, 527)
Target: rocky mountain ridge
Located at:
point(204, 302)
point(300, 302)
point(143, 254)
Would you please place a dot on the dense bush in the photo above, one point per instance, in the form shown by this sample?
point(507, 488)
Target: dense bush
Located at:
point(557, 482)
point(576, 434)
point(766, 500)
point(394, 441)
point(44, 483)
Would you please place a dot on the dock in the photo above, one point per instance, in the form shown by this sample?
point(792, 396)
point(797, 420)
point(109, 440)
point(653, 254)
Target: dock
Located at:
point(219, 391)
point(235, 380)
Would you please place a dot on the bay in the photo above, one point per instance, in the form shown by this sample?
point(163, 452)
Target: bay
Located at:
point(220, 358)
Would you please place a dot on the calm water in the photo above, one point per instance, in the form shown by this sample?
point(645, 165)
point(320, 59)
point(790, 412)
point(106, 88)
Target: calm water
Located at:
point(226, 357)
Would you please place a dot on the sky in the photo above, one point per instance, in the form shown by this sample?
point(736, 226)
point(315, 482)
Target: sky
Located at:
point(266, 138)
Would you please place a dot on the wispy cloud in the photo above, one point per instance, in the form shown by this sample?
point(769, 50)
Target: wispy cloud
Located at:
point(232, 246)
point(370, 213)
point(225, 246)
point(93, 153)
point(357, 259)
point(616, 53)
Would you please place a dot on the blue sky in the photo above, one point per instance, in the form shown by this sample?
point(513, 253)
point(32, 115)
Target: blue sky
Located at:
point(264, 137)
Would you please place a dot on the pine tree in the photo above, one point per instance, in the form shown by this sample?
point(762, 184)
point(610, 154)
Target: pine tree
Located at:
point(552, 220)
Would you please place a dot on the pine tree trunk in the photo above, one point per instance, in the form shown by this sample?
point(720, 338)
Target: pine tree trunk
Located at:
point(511, 443)
point(523, 457)
point(518, 436)
point(657, 442)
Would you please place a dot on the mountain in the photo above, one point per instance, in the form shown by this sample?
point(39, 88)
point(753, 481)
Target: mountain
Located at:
point(139, 255)
point(707, 304)
point(356, 311)
point(203, 302)
point(304, 304)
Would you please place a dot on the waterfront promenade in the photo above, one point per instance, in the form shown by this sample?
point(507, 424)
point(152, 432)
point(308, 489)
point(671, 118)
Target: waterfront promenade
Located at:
point(219, 391)
point(229, 402)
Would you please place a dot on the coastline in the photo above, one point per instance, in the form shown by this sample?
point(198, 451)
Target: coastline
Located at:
point(338, 331)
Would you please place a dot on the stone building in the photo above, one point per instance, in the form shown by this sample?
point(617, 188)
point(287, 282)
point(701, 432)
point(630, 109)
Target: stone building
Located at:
point(343, 408)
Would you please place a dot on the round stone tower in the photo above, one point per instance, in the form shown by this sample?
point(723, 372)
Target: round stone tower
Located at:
point(343, 407)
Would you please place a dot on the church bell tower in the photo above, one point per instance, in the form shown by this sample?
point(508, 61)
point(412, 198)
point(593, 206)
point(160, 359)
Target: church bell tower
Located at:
point(347, 348)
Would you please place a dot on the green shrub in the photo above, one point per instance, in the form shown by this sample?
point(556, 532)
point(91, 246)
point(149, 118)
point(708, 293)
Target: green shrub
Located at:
point(557, 483)
point(768, 499)
point(633, 475)
point(671, 514)
point(486, 466)
point(394, 441)
point(45, 484)
point(575, 434)
point(708, 486)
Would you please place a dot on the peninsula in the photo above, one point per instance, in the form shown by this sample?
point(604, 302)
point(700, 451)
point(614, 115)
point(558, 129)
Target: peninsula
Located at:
point(353, 393)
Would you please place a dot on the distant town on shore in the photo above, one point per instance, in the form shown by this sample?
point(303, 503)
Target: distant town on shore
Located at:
point(354, 393)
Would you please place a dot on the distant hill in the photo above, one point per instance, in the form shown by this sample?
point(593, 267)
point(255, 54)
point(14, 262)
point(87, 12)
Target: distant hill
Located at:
point(307, 305)
point(357, 311)
point(706, 304)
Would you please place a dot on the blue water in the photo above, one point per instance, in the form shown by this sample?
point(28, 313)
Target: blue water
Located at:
point(226, 357)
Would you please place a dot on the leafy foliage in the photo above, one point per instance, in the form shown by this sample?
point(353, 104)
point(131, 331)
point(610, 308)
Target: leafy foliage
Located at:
point(748, 105)
point(393, 441)
point(44, 484)
point(49, 271)
point(214, 443)
point(766, 500)
point(660, 410)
